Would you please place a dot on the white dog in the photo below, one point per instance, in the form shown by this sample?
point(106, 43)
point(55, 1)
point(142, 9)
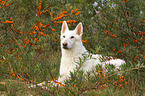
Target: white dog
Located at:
point(73, 53)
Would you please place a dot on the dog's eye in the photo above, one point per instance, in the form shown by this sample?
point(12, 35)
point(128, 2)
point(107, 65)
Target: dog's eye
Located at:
point(63, 36)
point(72, 37)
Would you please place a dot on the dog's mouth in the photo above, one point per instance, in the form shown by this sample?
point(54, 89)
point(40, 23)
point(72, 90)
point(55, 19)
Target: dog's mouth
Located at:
point(65, 47)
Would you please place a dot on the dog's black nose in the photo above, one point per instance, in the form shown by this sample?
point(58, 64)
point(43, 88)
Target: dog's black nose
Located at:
point(64, 44)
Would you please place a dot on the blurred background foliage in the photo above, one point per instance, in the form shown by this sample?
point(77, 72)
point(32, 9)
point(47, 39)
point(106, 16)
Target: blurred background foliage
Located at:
point(30, 31)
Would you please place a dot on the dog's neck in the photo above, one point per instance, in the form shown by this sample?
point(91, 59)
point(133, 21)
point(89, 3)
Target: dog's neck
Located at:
point(75, 51)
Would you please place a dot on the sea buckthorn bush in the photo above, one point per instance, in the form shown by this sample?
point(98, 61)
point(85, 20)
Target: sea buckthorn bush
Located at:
point(30, 46)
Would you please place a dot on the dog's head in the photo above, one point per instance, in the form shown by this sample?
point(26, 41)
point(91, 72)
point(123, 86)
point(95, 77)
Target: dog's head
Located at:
point(70, 37)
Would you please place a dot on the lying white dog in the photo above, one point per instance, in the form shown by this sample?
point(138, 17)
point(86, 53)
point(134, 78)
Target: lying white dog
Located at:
point(75, 54)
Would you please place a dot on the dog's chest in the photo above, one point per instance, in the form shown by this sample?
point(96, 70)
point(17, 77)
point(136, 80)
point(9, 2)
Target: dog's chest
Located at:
point(68, 64)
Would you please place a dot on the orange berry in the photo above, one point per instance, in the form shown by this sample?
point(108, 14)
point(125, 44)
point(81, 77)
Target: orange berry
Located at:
point(31, 33)
point(36, 39)
point(77, 13)
point(77, 9)
point(119, 51)
point(64, 12)
point(114, 35)
point(53, 30)
point(85, 41)
point(13, 74)
point(125, 83)
point(18, 76)
point(9, 52)
point(72, 11)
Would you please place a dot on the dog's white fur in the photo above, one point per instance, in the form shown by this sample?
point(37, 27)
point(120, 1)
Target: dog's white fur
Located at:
point(72, 51)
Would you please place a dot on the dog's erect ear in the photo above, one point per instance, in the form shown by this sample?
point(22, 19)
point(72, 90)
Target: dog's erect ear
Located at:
point(79, 29)
point(64, 27)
